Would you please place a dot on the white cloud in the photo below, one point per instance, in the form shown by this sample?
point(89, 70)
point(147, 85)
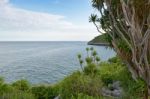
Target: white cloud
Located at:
point(2, 2)
point(20, 24)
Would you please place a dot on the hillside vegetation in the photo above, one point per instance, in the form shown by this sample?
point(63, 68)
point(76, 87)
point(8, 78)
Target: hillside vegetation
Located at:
point(93, 81)
point(99, 40)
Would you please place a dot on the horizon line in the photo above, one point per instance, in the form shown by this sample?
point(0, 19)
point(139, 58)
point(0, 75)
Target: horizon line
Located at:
point(44, 41)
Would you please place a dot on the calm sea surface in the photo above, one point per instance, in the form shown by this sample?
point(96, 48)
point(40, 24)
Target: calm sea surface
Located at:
point(43, 62)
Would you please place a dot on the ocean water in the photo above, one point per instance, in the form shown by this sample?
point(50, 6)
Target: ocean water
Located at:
point(43, 62)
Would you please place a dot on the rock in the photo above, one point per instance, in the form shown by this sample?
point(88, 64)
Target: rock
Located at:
point(116, 85)
point(116, 92)
point(106, 92)
point(58, 97)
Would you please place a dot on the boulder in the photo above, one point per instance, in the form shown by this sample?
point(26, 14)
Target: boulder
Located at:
point(115, 91)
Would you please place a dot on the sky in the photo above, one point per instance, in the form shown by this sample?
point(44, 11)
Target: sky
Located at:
point(46, 20)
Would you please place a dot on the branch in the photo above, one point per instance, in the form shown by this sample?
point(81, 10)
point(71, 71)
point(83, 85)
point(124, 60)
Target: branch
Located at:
point(146, 36)
point(98, 28)
point(118, 30)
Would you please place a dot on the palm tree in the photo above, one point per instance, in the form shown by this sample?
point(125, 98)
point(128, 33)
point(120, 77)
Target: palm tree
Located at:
point(94, 53)
point(87, 50)
point(80, 61)
point(81, 64)
point(94, 18)
point(97, 59)
point(79, 56)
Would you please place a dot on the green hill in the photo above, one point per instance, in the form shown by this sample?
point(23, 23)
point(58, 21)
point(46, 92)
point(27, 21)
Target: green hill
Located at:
point(99, 40)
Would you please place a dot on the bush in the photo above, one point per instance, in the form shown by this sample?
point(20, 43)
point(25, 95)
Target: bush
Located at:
point(17, 95)
point(114, 60)
point(22, 85)
point(5, 88)
point(135, 89)
point(90, 62)
point(45, 92)
point(15, 91)
point(84, 96)
point(110, 72)
point(90, 69)
point(115, 70)
point(39, 92)
point(80, 83)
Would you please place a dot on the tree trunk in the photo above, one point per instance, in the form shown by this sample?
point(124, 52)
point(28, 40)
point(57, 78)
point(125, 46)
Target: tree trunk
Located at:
point(146, 93)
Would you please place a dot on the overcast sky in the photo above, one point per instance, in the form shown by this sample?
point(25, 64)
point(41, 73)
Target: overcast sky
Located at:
point(46, 20)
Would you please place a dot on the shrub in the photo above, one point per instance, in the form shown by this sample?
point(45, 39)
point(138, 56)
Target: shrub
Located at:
point(17, 95)
point(91, 62)
point(45, 92)
point(22, 85)
point(39, 92)
point(115, 70)
point(90, 69)
point(80, 83)
point(1, 80)
point(5, 88)
point(134, 89)
point(84, 96)
point(114, 60)
point(52, 92)
point(110, 72)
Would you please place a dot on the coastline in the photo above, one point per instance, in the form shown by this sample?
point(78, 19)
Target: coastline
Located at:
point(98, 44)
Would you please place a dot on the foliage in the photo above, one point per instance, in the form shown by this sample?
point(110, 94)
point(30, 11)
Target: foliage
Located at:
point(86, 84)
point(17, 95)
point(84, 96)
point(22, 85)
point(127, 22)
point(109, 73)
point(114, 60)
point(80, 83)
point(90, 69)
point(45, 92)
point(17, 90)
point(5, 88)
point(100, 39)
point(115, 70)
point(91, 62)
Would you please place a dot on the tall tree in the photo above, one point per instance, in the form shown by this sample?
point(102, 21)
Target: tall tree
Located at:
point(127, 23)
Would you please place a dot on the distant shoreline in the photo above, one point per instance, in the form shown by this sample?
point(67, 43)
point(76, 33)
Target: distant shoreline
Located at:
point(43, 41)
point(98, 44)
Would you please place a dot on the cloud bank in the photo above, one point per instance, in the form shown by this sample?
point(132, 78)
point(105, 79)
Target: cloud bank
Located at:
point(21, 24)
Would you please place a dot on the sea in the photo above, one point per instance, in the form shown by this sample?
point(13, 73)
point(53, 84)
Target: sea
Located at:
point(44, 62)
